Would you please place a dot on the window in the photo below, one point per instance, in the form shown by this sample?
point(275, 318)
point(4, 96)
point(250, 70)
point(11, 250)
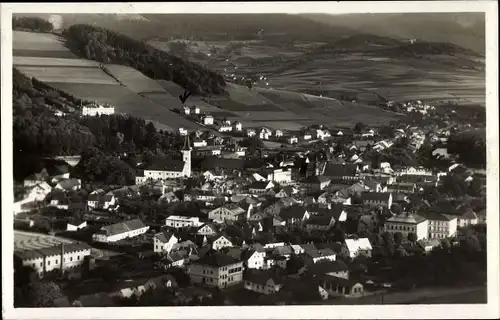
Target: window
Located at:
point(41, 264)
point(48, 262)
point(57, 261)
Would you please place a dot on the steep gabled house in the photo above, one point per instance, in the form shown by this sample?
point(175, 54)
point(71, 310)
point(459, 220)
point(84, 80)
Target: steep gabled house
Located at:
point(164, 241)
point(294, 216)
point(260, 187)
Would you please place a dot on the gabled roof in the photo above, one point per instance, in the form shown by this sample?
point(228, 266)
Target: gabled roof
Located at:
point(122, 227)
point(259, 185)
point(296, 212)
point(340, 170)
point(320, 220)
point(69, 183)
point(316, 179)
point(436, 216)
point(375, 196)
point(216, 259)
point(326, 252)
point(262, 276)
point(353, 245)
point(406, 218)
point(327, 266)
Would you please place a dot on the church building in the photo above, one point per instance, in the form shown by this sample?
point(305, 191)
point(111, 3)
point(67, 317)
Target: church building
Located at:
point(163, 169)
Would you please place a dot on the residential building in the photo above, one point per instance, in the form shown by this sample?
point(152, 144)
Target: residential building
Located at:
point(313, 256)
point(251, 133)
point(164, 241)
point(315, 183)
point(341, 172)
point(406, 223)
point(208, 229)
point(440, 225)
point(336, 286)
point(101, 201)
point(69, 185)
point(254, 258)
point(228, 211)
point(292, 140)
point(95, 109)
point(361, 246)
point(278, 133)
point(179, 222)
point(216, 270)
point(320, 223)
point(65, 257)
point(377, 199)
point(260, 187)
point(219, 242)
point(263, 282)
point(120, 231)
point(294, 216)
point(199, 143)
point(76, 225)
point(207, 120)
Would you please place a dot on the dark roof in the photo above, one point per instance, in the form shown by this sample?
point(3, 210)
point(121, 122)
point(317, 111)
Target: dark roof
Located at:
point(319, 220)
point(69, 183)
point(51, 251)
point(339, 281)
point(217, 259)
point(436, 216)
point(214, 162)
point(261, 277)
point(375, 196)
point(339, 170)
point(167, 165)
point(316, 179)
point(260, 185)
point(292, 212)
point(164, 236)
point(324, 267)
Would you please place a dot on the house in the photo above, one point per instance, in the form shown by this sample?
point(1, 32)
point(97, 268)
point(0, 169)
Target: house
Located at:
point(164, 241)
point(420, 171)
point(229, 211)
point(169, 197)
point(76, 225)
point(208, 229)
point(101, 201)
point(292, 140)
point(251, 133)
point(336, 268)
point(286, 192)
point(179, 222)
point(95, 109)
point(341, 172)
point(406, 223)
point(361, 246)
point(216, 270)
point(60, 257)
point(187, 110)
point(238, 126)
point(312, 256)
point(465, 216)
point(195, 110)
point(199, 143)
point(59, 200)
point(375, 186)
point(441, 153)
point(440, 225)
point(322, 134)
point(377, 199)
point(337, 286)
point(69, 185)
point(182, 132)
point(219, 242)
point(320, 223)
point(120, 231)
point(263, 282)
point(294, 216)
point(259, 187)
point(254, 258)
point(315, 183)
point(265, 134)
point(207, 120)
point(278, 133)
point(402, 187)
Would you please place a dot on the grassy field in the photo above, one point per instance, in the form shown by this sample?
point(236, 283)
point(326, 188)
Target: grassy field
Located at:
point(134, 80)
point(53, 62)
point(37, 41)
point(66, 74)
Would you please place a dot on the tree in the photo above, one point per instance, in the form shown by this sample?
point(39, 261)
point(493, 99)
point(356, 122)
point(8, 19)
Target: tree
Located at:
point(359, 127)
point(43, 294)
point(412, 237)
point(396, 208)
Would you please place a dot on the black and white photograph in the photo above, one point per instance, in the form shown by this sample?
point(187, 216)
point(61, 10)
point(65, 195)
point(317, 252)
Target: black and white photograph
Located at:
point(310, 159)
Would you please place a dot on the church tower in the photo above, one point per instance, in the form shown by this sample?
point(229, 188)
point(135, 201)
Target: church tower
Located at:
point(186, 157)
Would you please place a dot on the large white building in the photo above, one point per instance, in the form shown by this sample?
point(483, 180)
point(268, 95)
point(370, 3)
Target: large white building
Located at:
point(408, 223)
point(230, 211)
point(61, 257)
point(179, 222)
point(216, 270)
point(119, 231)
point(163, 242)
point(96, 109)
point(440, 225)
point(169, 169)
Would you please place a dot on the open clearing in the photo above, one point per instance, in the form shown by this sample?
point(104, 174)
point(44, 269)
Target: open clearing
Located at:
point(37, 41)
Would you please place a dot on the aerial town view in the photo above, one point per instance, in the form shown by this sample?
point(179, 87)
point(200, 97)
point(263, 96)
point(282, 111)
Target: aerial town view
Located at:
point(249, 159)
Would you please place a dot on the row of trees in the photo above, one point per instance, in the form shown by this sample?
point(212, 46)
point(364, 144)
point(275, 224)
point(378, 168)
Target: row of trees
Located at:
point(110, 47)
point(31, 24)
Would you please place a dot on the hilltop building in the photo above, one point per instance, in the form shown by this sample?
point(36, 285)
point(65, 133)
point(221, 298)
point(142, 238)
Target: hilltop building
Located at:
point(96, 109)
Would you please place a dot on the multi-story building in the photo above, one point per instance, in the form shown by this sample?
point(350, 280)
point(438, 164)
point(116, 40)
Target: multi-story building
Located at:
point(119, 231)
point(440, 225)
point(179, 222)
point(377, 199)
point(228, 211)
point(97, 109)
point(406, 223)
point(164, 241)
point(216, 270)
point(62, 257)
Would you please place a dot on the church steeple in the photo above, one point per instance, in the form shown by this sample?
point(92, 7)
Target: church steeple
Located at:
point(187, 144)
point(186, 157)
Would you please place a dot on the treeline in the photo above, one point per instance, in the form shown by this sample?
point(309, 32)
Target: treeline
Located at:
point(470, 146)
point(31, 24)
point(107, 46)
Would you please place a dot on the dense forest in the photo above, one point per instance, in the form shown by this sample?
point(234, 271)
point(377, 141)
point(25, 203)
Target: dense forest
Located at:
point(470, 146)
point(38, 134)
point(34, 24)
point(107, 46)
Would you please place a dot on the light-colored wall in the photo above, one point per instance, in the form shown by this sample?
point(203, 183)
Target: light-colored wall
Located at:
point(215, 277)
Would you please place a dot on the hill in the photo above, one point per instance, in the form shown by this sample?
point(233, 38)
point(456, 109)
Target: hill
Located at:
point(462, 29)
point(107, 46)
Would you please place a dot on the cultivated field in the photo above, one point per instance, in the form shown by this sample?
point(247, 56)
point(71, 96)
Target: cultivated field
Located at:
point(133, 79)
point(76, 75)
point(28, 44)
point(53, 62)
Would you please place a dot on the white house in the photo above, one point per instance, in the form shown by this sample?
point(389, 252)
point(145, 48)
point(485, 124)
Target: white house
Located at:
point(179, 222)
point(120, 231)
point(76, 225)
point(278, 133)
point(100, 201)
point(407, 223)
point(183, 132)
point(262, 282)
point(255, 259)
point(251, 133)
point(361, 246)
point(208, 120)
point(440, 225)
point(228, 211)
point(95, 109)
point(292, 140)
point(164, 241)
point(238, 126)
point(221, 242)
point(216, 270)
point(207, 229)
point(199, 143)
